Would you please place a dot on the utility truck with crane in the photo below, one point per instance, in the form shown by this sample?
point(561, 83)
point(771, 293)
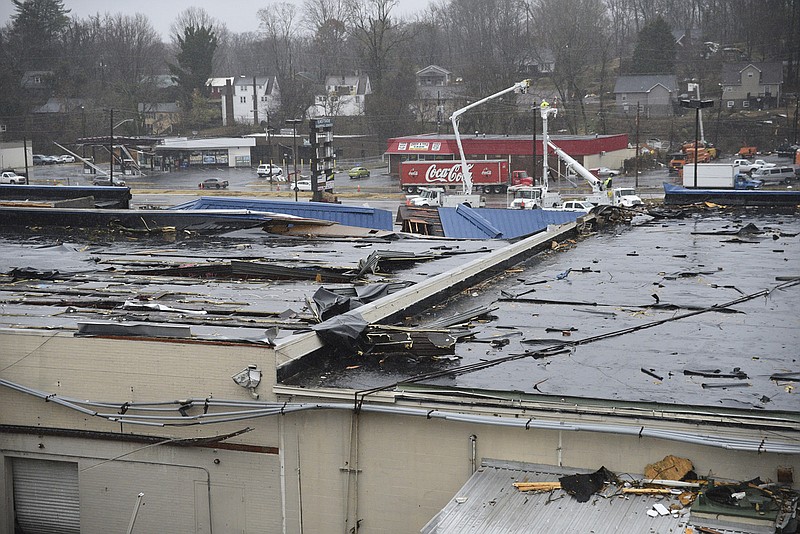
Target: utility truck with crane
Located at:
point(429, 195)
point(530, 198)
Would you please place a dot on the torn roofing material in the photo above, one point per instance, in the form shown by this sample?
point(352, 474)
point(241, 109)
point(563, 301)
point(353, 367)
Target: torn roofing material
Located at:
point(245, 281)
point(359, 216)
point(607, 298)
point(489, 223)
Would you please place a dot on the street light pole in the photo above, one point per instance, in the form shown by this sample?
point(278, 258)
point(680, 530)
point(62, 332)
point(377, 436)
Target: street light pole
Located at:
point(696, 105)
point(294, 123)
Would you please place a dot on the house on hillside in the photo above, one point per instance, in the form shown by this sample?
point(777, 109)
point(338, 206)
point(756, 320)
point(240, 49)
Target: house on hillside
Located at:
point(160, 118)
point(439, 93)
point(755, 85)
point(246, 100)
point(343, 96)
point(654, 94)
point(36, 80)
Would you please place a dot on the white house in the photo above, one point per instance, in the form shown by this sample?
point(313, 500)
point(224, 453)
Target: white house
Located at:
point(237, 100)
point(343, 96)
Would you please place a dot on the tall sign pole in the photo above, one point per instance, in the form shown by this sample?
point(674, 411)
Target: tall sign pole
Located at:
point(322, 157)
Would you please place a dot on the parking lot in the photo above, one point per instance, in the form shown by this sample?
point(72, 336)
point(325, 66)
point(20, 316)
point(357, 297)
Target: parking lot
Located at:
point(155, 187)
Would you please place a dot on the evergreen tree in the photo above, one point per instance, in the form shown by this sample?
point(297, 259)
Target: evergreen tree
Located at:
point(36, 28)
point(195, 60)
point(654, 52)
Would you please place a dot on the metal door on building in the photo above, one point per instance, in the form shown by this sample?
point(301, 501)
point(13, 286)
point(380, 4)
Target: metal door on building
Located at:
point(46, 496)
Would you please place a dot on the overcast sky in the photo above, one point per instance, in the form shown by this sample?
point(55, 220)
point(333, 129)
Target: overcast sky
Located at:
point(238, 15)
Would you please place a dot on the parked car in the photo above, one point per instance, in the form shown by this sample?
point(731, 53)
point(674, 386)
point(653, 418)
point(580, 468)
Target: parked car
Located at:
point(213, 183)
point(50, 160)
point(10, 177)
point(38, 159)
point(66, 158)
point(304, 185)
point(774, 175)
point(264, 170)
point(106, 180)
point(358, 172)
point(604, 171)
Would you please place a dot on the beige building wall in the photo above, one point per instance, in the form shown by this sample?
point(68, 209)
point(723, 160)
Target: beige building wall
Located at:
point(311, 471)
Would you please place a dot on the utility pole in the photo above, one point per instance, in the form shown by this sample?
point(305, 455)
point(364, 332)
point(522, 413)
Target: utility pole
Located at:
point(255, 103)
point(636, 159)
point(439, 110)
point(533, 175)
point(111, 148)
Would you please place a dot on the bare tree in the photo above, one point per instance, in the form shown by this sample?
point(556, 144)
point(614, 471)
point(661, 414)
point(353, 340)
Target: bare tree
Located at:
point(326, 21)
point(572, 29)
point(379, 35)
point(131, 51)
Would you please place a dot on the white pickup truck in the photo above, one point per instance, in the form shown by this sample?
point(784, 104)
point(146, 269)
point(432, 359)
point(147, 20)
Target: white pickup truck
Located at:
point(10, 177)
point(746, 166)
point(436, 196)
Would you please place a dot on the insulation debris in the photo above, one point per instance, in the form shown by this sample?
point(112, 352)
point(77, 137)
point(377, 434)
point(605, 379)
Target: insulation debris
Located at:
point(670, 468)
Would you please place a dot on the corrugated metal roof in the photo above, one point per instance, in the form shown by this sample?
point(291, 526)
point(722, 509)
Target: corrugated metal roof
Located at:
point(488, 502)
point(466, 223)
point(358, 216)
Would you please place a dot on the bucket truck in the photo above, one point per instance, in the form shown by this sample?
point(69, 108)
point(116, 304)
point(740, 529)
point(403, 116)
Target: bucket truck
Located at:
point(466, 197)
point(619, 196)
point(537, 196)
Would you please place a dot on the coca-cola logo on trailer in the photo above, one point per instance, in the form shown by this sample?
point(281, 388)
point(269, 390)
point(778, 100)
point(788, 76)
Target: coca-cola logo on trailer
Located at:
point(451, 174)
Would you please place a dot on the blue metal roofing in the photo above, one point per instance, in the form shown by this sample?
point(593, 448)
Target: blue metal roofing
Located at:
point(359, 216)
point(467, 223)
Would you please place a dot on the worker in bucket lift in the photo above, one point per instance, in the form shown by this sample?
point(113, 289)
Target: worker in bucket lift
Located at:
point(607, 184)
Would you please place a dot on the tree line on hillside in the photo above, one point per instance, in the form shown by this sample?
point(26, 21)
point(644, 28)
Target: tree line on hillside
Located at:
point(113, 60)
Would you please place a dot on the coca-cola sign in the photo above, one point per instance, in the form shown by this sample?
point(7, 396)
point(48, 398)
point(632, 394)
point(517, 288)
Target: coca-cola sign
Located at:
point(445, 173)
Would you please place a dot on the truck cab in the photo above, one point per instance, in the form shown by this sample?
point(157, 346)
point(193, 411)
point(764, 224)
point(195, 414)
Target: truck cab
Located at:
point(524, 197)
point(436, 196)
point(521, 178)
point(625, 197)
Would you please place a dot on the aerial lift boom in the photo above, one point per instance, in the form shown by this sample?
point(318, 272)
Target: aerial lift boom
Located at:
point(519, 87)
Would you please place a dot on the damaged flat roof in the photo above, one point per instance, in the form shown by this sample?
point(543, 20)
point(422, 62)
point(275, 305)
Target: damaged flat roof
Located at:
point(612, 304)
point(230, 287)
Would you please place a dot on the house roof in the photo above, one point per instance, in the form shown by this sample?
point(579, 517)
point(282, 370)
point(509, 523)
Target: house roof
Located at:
point(645, 83)
point(268, 82)
point(361, 83)
point(218, 82)
point(29, 78)
point(60, 105)
point(433, 70)
point(771, 72)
